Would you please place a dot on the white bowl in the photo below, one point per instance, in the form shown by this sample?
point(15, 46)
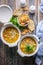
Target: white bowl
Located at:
point(22, 3)
point(32, 9)
point(3, 28)
point(6, 13)
point(28, 55)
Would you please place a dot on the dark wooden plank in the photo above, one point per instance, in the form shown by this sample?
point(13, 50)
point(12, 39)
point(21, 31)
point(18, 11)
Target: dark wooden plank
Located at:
point(15, 56)
point(9, 56)
point(31, 60)
point(11, 52)
point(12, 3)
point(40, 16)
point(2, 53)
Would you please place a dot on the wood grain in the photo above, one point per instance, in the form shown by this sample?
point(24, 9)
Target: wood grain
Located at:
point(9, 56)
point(40, 15)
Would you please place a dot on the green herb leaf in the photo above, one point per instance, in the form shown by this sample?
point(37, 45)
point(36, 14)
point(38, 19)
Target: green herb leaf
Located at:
point(14, 20)
point(29, 48)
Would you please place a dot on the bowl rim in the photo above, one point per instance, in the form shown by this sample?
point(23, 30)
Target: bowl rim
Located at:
point(22, 25)
point(23, 54)
point(12, 44)
point(4, 5)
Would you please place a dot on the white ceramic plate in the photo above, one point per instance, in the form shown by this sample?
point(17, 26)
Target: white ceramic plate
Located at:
point(5, 13)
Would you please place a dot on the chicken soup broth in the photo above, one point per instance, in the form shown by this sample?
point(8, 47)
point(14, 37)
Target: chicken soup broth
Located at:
point(28, 45)
point(10, 34)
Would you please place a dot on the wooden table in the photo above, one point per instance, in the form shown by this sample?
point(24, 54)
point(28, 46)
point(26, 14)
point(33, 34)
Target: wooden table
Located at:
point(40, 16)
point(9, 56)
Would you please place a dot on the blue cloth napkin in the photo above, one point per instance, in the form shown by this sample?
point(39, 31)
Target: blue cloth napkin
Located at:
point(39, 56)
point(41, 7)
point(42, 1)
point(39, 29)
point(40, 51)
point(38, 60)
point(39, 33)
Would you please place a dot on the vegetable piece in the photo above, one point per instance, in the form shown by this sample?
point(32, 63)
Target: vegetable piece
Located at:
point(14, 20)
point(29, 48)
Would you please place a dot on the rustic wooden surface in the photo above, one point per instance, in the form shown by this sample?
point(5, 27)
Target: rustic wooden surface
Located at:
point(40, 16)
point(9, 56)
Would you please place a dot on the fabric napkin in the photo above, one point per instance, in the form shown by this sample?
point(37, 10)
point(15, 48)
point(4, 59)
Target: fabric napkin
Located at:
point(39, 56)
point(39, 29)
point(42, 1)
point(39, 33)
point(41, 6)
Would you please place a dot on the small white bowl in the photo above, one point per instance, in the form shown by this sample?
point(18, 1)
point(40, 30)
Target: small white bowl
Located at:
point(5, 13)
point(22, 3)
point(32, 9)
point(28, 55)
point(3, 28)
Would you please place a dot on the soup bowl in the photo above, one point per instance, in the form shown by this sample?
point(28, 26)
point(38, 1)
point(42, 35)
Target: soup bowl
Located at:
point(21, 53)
point(2, 38)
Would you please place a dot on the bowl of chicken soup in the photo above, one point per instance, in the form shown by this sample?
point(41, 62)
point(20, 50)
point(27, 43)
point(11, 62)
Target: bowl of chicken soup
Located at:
point(10, 35)
point(28, 45)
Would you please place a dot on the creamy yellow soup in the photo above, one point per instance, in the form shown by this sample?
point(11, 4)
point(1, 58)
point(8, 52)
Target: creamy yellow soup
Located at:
point(28, 45)
point(10, 34)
